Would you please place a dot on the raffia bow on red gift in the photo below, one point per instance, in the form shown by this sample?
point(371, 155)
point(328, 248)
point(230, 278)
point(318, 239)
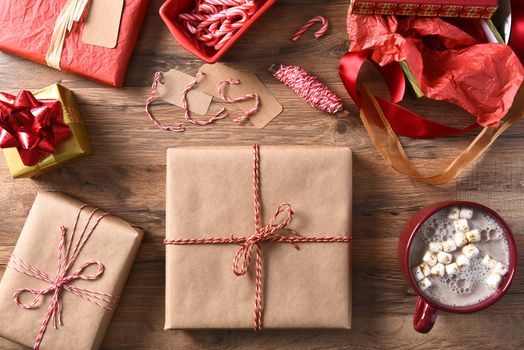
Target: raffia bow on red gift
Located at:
point(34, 127)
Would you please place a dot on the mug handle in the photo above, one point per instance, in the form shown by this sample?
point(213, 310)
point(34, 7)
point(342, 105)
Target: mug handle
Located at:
point(424, 317)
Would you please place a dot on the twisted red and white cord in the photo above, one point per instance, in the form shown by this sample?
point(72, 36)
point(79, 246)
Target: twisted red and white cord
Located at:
point(319, 33)
point(214, 22)
point(159, 79)
point(274, 231)
point(179, 127)
point(247, 114)
point(67, 255)
point(309, 88)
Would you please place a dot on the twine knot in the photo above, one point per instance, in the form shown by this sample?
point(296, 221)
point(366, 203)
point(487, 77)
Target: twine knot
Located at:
point(270, 232)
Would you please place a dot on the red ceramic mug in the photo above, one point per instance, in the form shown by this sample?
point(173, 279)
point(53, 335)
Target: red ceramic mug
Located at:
point(426, 309)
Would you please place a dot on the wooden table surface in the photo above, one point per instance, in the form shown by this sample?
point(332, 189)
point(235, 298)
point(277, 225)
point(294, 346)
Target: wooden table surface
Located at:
point(126, 176)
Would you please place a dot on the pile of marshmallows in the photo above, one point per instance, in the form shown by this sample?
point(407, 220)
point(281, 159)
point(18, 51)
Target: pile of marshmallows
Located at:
point(438, 261)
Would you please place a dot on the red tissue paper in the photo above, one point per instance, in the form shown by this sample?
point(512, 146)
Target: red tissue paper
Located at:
point(451, 61)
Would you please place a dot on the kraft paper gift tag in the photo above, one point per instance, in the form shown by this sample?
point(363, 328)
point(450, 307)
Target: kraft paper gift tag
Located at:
point(102, 24)
point(249, 83)
point(114, 243)
point(305, 288)
point(175, 82)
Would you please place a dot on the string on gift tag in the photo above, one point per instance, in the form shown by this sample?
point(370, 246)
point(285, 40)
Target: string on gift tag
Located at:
point(276, 230)
point(179, 127)
point(214, 22)
point(248, 113)
point(308, 87)
point(318, 34)
point(67, 255)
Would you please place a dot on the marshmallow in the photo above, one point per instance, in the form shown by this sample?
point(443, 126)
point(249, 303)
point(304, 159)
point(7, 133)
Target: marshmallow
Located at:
point(426, 283)
point(473, 236)
point(489, 261)
point(461, 225)
point(470, 251)
point(429, 259)
point(425, 268)
point(460, 239)
point(500, 269)
point(444, 258)
point(417, 273)
point(462, 262)
point(466, 213)
point(452, 269)
point(438, 270)
point(435, 247)
point(449, 246)
point(453, 213)
point(493, 280)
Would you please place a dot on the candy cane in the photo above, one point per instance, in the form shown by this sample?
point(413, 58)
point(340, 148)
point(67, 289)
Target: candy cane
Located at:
point(323, 29)
point(214, 22)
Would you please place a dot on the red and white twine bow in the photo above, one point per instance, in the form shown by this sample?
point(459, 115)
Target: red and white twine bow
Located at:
point(214, 22)
point(67, 255)
point(274, 231)
point(179, 127)
point(318, 34)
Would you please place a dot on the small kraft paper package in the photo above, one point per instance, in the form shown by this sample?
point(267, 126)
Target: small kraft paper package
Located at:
point(68, 270)
point(258, 237)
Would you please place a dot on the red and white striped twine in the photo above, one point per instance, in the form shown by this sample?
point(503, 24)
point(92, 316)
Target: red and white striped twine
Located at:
point(248, 113)
point(309, 88)
point(272, 232)
point(179, 127)
point(214, 22)
point(66, 259)
point(319, 33)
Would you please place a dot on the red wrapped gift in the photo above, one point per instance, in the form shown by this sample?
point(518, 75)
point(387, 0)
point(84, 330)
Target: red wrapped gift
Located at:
point(32, 29)
point(432, 8)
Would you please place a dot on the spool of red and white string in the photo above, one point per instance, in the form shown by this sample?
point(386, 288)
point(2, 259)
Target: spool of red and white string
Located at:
point(214, 22)
point(308, 87)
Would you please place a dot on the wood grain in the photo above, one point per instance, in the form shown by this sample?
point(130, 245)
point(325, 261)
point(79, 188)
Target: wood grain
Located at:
point(126, 176)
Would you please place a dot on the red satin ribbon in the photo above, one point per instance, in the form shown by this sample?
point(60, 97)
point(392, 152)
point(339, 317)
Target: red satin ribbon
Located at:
point(403, 121)
point(516, 39)
point(33, 126)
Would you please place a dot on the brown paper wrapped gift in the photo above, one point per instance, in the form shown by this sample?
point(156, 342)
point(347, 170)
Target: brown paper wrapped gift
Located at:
point(113, 243)
point(210, 195)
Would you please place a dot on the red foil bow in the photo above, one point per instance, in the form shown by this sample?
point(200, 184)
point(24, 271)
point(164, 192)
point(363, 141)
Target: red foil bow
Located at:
point(33, 126)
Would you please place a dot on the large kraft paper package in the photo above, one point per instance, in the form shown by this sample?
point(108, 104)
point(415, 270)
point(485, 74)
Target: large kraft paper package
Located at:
point(210, 195)
point(114, 243)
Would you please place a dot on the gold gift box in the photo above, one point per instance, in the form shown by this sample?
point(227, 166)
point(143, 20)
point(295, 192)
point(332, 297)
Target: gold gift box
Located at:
point(76, 146)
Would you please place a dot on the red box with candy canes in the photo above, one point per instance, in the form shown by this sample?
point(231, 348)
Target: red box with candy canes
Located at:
point(432, 8)
point(208, 28)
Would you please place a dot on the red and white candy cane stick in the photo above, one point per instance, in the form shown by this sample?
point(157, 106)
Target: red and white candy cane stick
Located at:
point(318, 19)
point(214, 22)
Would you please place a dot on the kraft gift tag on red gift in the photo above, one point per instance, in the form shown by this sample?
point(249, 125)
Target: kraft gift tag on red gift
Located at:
point(102, 24)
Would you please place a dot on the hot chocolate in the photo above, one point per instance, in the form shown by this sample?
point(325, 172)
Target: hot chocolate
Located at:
point(459, 256)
